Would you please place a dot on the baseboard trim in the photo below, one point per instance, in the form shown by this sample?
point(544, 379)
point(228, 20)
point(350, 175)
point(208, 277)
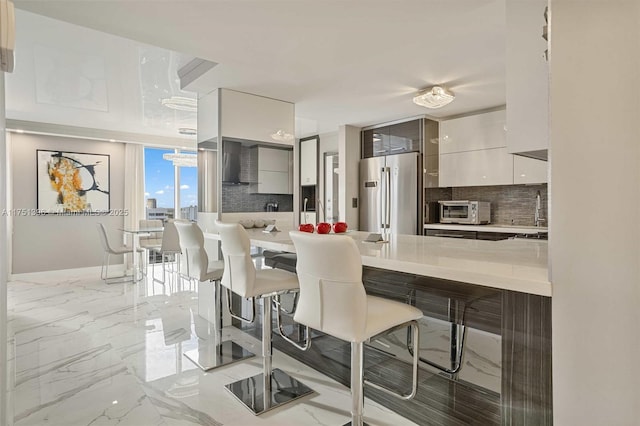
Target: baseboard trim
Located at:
point(91, 270)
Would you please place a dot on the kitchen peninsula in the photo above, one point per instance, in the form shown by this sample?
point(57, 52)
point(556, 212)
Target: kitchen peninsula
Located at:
point(501, 287)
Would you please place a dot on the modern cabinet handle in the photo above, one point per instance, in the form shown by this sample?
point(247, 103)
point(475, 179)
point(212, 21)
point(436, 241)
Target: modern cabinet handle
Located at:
point(449, 235)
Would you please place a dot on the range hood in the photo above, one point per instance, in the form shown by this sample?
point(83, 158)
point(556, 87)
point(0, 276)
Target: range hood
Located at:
point(231, 152)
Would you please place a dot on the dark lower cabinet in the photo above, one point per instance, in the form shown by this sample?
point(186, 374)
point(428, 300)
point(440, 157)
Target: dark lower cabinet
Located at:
point(493, 236)
point(469, 235)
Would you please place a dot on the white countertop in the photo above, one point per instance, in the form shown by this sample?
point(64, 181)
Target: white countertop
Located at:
point(517, 265)
point(488, 228)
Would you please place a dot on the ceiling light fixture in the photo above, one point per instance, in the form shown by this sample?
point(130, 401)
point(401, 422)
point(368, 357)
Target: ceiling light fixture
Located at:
point(189, 131)
point(181, 103)
point(182, 159)
point(435, 97)
point(282, 136)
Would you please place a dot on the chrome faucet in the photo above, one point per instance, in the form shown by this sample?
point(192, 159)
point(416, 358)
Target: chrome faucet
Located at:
point(304, 209)
point(537, 218)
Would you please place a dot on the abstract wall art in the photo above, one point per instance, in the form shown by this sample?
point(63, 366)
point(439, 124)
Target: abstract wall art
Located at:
point(72, 182)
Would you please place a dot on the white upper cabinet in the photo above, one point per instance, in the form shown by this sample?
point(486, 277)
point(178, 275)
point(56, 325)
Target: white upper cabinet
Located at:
point(308, 162)
point(272, 183)
point(271, 171)
point(529, 170)
point(527, 79)
point(480, 131)
point(492, 166)
point(474, 152)
point(255, 118)
point(275, 160)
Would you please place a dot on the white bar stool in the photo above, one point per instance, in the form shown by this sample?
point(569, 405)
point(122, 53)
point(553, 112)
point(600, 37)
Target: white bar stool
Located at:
point(170, 245)
point(273, 387)
point(333, 300)
point(201, 268)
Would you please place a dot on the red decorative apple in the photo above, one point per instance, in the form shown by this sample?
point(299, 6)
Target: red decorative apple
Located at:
point(340, 227)
point(306, 227)
point(324, 228)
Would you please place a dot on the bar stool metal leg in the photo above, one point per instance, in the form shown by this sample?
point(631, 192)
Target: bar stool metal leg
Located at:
point(457, 334)
point(220, 353)
point(271, 388)
point(357, 384)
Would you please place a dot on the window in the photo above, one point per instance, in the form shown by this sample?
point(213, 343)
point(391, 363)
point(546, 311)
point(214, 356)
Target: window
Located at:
point(188, 193)
point(159, 184)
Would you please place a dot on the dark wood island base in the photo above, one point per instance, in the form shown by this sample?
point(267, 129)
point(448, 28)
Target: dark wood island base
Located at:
point(522, 320)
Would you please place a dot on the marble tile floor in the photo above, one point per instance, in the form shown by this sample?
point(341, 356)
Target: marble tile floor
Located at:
point(86, 353)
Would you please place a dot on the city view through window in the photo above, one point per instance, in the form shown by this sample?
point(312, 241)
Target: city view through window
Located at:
point(160, 186)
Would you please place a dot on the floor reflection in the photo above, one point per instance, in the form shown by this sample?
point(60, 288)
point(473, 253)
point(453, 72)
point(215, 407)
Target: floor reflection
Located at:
point(86, 353)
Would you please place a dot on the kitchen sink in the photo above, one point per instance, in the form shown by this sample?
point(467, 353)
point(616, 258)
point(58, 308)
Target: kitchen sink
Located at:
point(538, 236)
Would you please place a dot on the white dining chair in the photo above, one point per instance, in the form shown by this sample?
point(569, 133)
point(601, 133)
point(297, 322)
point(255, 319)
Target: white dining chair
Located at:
point(169, 246)
point(112, 250)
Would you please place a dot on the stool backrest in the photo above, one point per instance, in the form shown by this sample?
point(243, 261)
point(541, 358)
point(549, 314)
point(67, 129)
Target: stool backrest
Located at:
point(192, 247)
point(239, 271)
point(170, 237)
point(332, 297)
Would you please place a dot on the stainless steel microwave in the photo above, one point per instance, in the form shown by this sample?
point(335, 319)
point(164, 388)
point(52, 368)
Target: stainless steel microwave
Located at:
point(469, 212)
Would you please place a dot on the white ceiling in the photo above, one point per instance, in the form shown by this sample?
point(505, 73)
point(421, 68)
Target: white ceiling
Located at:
point(70, 75)
point(356, 62)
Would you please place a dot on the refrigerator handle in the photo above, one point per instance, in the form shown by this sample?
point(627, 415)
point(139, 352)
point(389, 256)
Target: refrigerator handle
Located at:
point(388, 194)
point(383, 198)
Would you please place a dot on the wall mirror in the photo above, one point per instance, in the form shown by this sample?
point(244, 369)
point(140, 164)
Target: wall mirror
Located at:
point(331, 184)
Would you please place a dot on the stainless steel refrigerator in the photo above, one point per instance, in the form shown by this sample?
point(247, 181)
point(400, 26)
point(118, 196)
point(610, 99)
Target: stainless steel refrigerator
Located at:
point(390, 194)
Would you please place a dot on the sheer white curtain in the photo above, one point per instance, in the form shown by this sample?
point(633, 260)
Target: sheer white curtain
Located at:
point(133, 186)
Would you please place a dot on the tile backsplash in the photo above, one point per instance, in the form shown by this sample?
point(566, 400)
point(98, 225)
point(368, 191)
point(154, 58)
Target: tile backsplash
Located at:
point(510, 204)
point(236, 198)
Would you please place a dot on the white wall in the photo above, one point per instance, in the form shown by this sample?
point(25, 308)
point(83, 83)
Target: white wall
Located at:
point(595, 211)
point(4, 415)
point(349, 152)
point(50, 242)
point(328, 143)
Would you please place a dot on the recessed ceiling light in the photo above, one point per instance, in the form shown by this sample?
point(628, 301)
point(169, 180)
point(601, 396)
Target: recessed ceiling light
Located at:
point(180, 103)
point(190, 131)
point(435, 97)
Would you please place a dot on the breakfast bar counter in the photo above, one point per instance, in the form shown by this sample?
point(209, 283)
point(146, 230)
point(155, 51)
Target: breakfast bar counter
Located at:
point(495, 287)
point(517, 264)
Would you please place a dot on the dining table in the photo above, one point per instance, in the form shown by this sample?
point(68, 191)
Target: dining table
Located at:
point(136, 233)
